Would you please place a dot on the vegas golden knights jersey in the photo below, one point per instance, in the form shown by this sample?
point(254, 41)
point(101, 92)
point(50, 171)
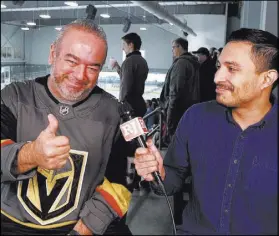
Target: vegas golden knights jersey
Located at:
point(48, 199)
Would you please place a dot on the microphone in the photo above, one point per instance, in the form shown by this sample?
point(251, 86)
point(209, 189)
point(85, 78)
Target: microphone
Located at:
point(134, 127)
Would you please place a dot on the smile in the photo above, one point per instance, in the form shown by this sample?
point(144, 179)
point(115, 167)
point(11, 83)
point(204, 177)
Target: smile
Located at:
point(75, 85)
point(222, 89)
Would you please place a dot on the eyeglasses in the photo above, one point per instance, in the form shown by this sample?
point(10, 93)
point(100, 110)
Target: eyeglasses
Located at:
point(175, 46)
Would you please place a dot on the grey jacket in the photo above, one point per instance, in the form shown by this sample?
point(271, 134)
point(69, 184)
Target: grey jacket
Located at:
point(181, 89)
point(133, 74)
point(45, 199)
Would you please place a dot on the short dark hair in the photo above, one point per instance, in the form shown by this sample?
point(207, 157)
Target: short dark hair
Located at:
point(264, 52)
point(134, 39)
point(264, 47)
point(182, 42)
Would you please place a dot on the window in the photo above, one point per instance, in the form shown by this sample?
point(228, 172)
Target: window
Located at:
point(6, 52)
point(17, 53)
point(5, 76)
point(124, 55)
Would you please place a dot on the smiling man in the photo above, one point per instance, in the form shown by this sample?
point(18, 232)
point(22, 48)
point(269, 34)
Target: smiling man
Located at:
point(228, 146)
point(58, 134)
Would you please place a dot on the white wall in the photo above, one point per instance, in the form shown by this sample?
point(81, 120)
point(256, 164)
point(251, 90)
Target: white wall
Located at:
point(251, 13)
point(156, 43)
point(211, 30)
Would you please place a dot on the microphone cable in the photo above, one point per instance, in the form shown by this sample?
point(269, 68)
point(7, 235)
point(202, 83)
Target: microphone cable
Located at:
point(125, 112)
point(159, 181)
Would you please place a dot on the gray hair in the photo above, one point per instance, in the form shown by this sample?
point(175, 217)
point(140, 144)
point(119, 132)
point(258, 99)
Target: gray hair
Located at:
point(87, 25)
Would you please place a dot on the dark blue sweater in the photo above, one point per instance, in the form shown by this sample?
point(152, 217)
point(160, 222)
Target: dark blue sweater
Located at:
point(234, 172)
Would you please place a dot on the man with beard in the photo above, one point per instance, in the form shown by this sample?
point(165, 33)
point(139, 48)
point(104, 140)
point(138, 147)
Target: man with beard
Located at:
point(228, 146)
point(58, 134)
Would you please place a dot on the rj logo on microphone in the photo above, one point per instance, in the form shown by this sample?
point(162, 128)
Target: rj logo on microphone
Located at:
point(133, 128)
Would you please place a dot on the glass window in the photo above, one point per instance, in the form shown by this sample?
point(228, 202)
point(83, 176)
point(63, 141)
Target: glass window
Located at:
point(110, 82)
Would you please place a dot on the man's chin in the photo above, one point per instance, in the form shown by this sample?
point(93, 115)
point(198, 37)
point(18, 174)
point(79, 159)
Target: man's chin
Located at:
point(225, 102)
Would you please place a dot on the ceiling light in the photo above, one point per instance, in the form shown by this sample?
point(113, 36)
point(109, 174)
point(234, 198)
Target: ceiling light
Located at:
point(24, 28)
point(31, 23)
point(3, 5)
point(143, 16)
point(45, 16)
point(58, 28)
point(171, 23)
point(105, 15)
point(142, 28)
point(71, 3)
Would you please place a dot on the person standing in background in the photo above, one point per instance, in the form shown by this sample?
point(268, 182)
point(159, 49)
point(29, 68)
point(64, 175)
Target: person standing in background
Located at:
point(181, 87)
point(133, 74)
point(212, 51)
point(150, 120)
point(207, 71)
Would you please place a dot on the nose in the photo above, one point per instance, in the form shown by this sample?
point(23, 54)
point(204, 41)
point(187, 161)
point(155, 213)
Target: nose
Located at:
point(80, 72)
point(220, 76)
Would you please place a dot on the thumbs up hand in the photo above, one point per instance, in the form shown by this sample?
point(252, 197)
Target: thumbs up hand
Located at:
point(50, 151)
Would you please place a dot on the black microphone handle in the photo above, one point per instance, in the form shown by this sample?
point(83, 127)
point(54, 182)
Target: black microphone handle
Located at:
point(155, 174)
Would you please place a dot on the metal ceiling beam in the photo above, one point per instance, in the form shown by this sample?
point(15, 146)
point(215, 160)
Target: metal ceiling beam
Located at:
point(154, 8)
point(64, 21)
point(63, 7)
point(216, 9)
point(163, 3)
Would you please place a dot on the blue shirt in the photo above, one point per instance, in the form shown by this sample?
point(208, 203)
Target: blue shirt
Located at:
point(234, 172)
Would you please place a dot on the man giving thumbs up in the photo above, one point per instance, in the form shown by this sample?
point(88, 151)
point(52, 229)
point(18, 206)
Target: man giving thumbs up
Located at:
point(60, 144)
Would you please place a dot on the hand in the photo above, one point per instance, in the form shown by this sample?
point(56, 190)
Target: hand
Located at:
point(48, 150)
point(115, 64)
point(82, 229)
point(148, 160)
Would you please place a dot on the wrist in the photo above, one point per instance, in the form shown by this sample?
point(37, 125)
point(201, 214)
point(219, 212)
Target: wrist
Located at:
point(25, 158)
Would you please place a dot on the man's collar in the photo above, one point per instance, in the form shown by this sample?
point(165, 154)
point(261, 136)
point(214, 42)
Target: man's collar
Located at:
point(269, 116)
point(133, 53)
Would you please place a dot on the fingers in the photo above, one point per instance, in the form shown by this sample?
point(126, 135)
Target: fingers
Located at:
point(58, 151)
point(57, 162)
point(151, 146)
point(145, 163)
point(59, 141)
point(52, 126)
point(148, 160)
point(140, 152)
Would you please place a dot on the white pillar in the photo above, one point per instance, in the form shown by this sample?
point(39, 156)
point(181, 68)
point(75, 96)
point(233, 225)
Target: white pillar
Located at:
point(251, 14)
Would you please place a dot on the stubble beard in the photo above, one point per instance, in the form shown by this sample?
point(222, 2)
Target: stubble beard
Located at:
point(63, 94)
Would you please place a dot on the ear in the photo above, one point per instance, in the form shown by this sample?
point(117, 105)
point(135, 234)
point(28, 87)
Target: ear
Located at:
point(51, 56)
point(269, 78)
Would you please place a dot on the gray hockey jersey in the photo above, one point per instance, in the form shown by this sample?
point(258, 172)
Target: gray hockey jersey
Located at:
point(46, 199)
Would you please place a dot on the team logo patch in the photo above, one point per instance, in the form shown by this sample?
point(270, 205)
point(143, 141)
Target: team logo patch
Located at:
point(64, 110)
point(51, 195)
